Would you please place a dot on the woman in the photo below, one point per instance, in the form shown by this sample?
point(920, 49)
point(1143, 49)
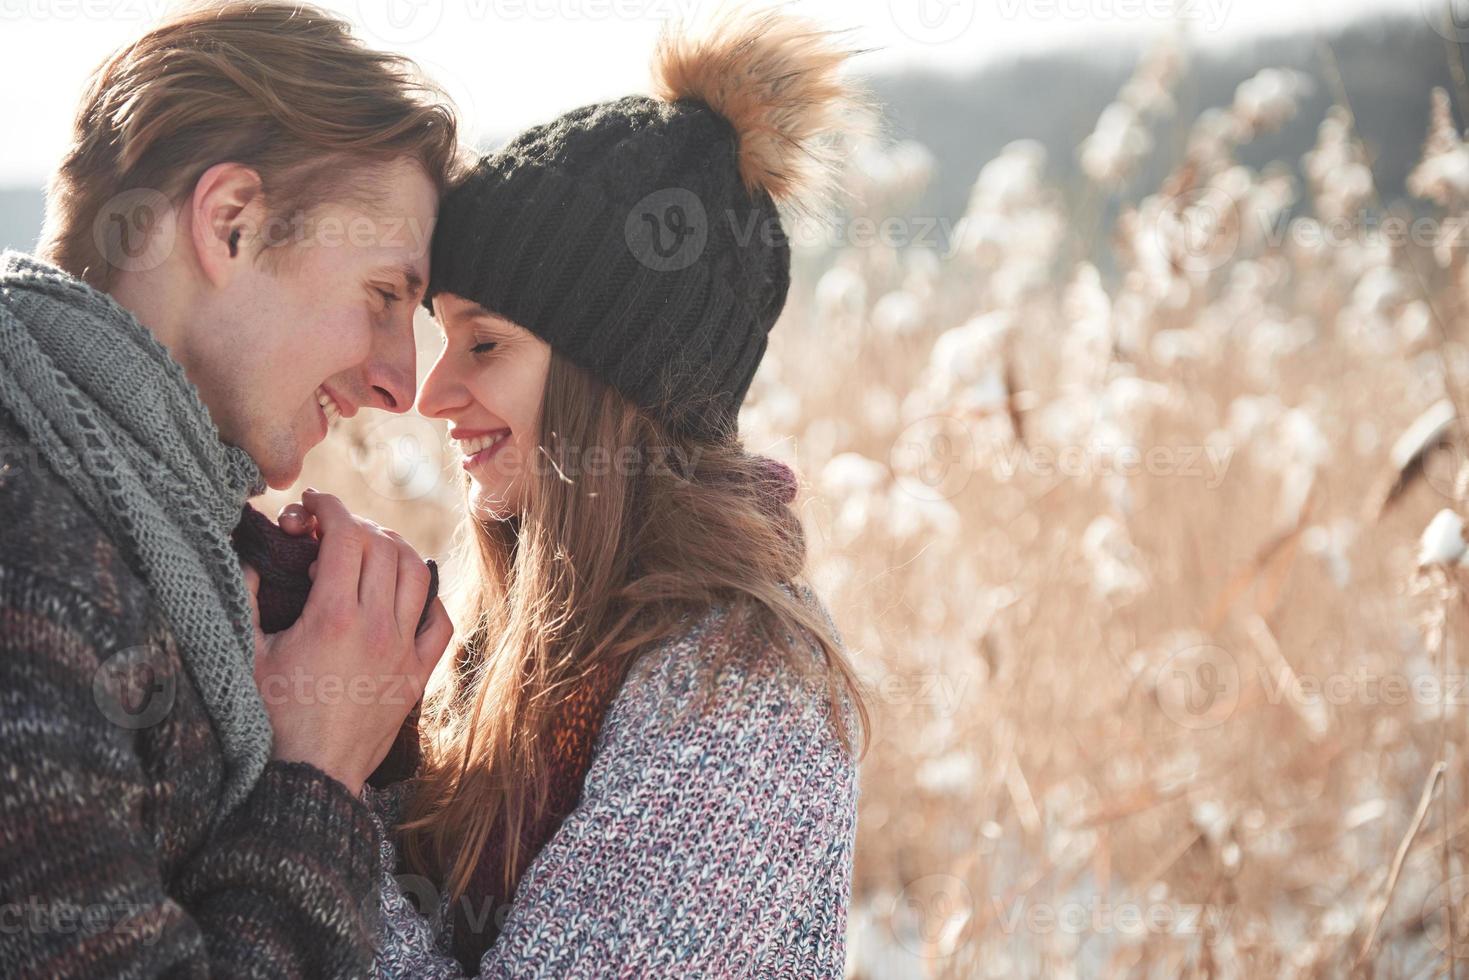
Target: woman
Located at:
point(643, 760)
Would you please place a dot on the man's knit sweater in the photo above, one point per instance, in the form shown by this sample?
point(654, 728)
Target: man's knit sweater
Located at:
point(108, 866)
point(711, 839)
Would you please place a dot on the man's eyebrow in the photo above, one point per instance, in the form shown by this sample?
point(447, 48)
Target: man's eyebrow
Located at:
point(413, 279)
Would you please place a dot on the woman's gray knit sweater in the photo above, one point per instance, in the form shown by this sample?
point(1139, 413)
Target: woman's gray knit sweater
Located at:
point(707, 843)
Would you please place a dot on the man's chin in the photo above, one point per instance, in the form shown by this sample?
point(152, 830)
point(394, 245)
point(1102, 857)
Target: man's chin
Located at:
point(283, 482)
point(279, 455)
point(281, 470)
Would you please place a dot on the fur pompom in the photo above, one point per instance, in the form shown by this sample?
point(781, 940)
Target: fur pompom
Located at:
point(776, 79)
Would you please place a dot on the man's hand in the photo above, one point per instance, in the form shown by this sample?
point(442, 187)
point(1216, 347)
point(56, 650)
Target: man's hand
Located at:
point(296, 520)
point(339, 683)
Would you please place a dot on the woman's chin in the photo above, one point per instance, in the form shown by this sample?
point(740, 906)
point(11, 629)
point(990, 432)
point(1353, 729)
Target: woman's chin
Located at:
point(489, 503)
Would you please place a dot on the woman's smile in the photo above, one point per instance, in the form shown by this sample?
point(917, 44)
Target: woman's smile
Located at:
point(478, 448)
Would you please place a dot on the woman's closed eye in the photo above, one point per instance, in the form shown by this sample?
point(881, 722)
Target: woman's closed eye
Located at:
point(483, 347)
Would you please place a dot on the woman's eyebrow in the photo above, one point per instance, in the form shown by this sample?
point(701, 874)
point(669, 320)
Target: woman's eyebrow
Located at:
point(474, 316)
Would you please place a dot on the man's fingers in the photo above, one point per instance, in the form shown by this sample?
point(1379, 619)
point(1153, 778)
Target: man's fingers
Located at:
point(431, 643)
point(412, 589)
point(343, 541)
point(379, 581)
point(413, 580)
point(296, 520)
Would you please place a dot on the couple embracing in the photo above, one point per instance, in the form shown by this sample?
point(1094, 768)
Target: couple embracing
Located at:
point(629, 748)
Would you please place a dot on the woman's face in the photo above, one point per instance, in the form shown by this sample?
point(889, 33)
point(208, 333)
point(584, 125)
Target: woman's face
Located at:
point(488, 382)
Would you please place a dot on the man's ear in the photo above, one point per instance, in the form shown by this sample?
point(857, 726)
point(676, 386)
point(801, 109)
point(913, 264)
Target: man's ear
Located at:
point(227, 211)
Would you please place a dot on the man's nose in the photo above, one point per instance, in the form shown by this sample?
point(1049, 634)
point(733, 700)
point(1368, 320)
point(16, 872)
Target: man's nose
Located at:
point(391, 376)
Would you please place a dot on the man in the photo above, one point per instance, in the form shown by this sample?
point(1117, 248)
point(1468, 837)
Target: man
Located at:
point(235, 245)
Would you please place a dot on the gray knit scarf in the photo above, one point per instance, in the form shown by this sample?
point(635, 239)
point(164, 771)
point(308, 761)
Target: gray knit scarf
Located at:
point(112, 412)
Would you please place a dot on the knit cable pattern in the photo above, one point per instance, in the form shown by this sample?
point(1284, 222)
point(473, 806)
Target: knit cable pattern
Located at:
point(113, 414)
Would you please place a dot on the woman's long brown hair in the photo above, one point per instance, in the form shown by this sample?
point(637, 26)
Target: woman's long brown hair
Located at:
point(627, 531)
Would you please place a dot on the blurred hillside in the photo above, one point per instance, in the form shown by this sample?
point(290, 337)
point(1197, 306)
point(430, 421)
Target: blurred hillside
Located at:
point(21, 211)
point(1384, 66)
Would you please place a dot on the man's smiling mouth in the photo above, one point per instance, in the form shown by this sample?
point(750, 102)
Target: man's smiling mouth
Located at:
point(328, 405)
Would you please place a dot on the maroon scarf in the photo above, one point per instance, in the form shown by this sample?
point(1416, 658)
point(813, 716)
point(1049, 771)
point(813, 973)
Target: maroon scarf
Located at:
point(479, 914)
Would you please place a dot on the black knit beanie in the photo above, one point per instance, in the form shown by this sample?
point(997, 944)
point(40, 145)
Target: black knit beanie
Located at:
point(640, 237)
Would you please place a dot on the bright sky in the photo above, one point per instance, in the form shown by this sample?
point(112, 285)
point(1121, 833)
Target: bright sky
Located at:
point(510, 63)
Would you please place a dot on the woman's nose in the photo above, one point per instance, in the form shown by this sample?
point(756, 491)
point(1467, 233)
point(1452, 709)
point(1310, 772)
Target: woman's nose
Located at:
point(436, 396)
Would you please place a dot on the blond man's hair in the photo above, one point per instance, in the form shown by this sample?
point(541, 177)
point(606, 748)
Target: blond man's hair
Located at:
point(283, 88)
